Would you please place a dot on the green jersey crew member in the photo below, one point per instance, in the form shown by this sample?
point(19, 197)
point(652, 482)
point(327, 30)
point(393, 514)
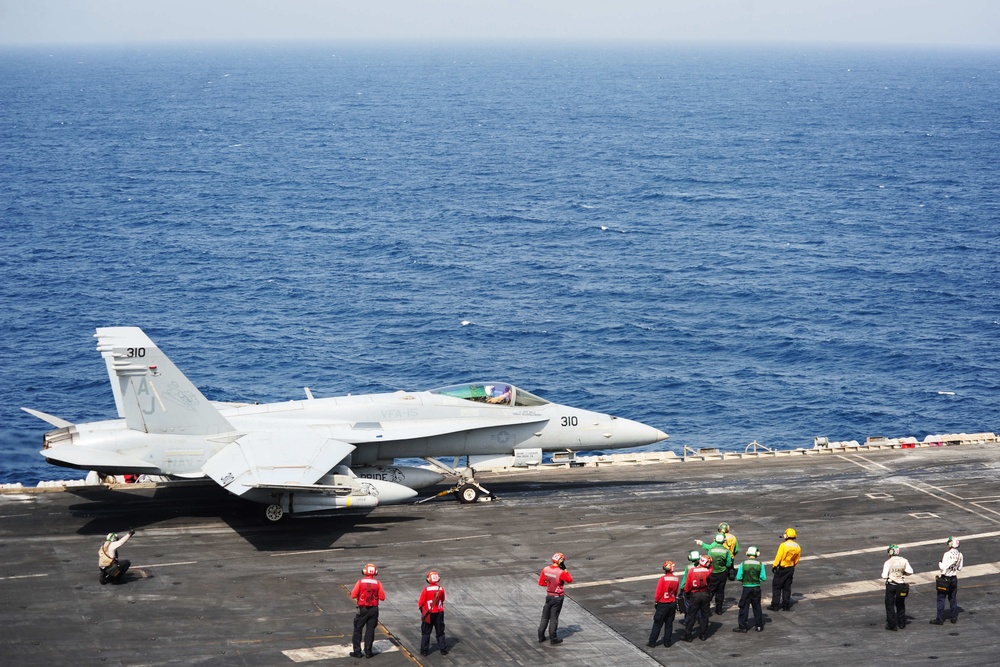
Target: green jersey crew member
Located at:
point(751, 574)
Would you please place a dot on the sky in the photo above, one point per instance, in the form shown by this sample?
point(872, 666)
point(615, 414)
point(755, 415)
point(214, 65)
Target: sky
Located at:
point(934, 23)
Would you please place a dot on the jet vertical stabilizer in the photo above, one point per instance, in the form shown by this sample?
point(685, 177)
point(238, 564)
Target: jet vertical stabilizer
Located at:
point(150, 393)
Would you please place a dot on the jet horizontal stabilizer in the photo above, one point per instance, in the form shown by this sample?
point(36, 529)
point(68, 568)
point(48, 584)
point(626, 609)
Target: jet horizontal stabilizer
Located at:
point(51, 419)
point(92, 458)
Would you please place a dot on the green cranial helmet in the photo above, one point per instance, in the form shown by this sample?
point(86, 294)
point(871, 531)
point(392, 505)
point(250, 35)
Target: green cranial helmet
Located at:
point(693, 556)
point(111, 537)
point(893, 549)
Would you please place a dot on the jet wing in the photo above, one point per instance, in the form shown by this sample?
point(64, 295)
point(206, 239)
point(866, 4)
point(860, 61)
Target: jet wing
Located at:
point(275, 459)
point(362, 432)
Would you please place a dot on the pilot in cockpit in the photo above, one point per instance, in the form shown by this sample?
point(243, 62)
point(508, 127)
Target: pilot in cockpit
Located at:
point(498, 393)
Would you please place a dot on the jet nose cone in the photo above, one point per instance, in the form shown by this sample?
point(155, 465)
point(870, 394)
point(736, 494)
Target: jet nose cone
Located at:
point(628, 433)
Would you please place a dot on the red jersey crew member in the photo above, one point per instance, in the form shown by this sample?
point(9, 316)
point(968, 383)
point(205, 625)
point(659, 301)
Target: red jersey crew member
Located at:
point(431, 604)
point(368, 592)
point(666, 605)
point(554, 577)
point(699, 600)
point(783, 569)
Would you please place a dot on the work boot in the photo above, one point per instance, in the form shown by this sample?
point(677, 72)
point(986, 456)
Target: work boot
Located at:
point(760, 628)
point(937, 621)
point(555, 640)
point(688, 638)
point(739, 629)
point(357, 654)
point(541, 638)
point(890, 627)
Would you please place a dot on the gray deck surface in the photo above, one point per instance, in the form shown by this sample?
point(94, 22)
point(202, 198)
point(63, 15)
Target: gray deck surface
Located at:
point(212, 584)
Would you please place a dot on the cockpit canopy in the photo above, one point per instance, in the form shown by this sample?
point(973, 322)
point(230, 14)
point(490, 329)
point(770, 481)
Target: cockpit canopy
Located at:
point(496, 393)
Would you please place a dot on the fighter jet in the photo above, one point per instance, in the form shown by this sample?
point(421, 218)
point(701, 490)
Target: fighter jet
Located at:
point(316, 454)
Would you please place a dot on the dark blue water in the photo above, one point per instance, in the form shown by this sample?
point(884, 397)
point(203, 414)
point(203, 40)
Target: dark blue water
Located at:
point(728, 245)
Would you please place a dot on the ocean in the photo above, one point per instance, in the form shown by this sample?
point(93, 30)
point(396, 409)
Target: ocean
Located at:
point(730, 244)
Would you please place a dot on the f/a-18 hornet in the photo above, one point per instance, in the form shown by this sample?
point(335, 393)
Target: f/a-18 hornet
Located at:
point(316, 454)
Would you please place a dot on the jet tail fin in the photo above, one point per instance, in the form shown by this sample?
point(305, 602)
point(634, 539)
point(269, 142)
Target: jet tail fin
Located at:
point(151, 394)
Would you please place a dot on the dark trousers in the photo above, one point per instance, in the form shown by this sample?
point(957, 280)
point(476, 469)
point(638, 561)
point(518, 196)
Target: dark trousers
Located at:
point(550, 616)
point(717, 587)
point(115, 572)
point(781, 588)
point(750, 598)
point(366, 620)
point(952, 595)
point(664, 616)
point(895, 607)
point(698, 606)
point(435, 621)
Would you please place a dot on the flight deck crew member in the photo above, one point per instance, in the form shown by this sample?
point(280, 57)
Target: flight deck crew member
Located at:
point(783, 569)
point(722, 561)
point(112, 568)
point(666, 605)
point(894, 572)
point(699, 602)
point(751, 574)
point(947, 583)
point(553, 577)
point(368, 592)
point(693, 557)
point(431, 604)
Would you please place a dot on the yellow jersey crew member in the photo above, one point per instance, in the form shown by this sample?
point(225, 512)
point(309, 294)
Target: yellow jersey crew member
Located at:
point(783, 569)
point(112, 568)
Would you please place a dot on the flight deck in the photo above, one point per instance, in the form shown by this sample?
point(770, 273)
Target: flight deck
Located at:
point(212, 583)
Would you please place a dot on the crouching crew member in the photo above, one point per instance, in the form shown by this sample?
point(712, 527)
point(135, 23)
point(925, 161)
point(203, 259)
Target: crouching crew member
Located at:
point(431, 604)
point(699, 601)
point(368, 592)
point(112, 568)
point(751, 574)
point(554, 577)
point(783, 569)
point(947, 581)
point(666, 605)
point(894, 572)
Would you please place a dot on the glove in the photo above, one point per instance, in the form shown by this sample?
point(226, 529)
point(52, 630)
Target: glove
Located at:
point(772, 569)
point(562, 565)
point(699, 542)
point(131, 532)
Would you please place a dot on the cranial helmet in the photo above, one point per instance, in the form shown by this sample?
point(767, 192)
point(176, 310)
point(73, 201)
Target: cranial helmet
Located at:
point(790, 534)
point(111, 537)
point(668, 565)
point(705, 560)
point(720, 538)
point(370, 570)
point(558, 557)
point(723, 527)
point(433, 577)
point(693, 556)
point(953, 542)
point(893, 549)
point(753, 552)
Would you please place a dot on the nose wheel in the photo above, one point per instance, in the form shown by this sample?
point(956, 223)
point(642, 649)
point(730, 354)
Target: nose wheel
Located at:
point(274, 513)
